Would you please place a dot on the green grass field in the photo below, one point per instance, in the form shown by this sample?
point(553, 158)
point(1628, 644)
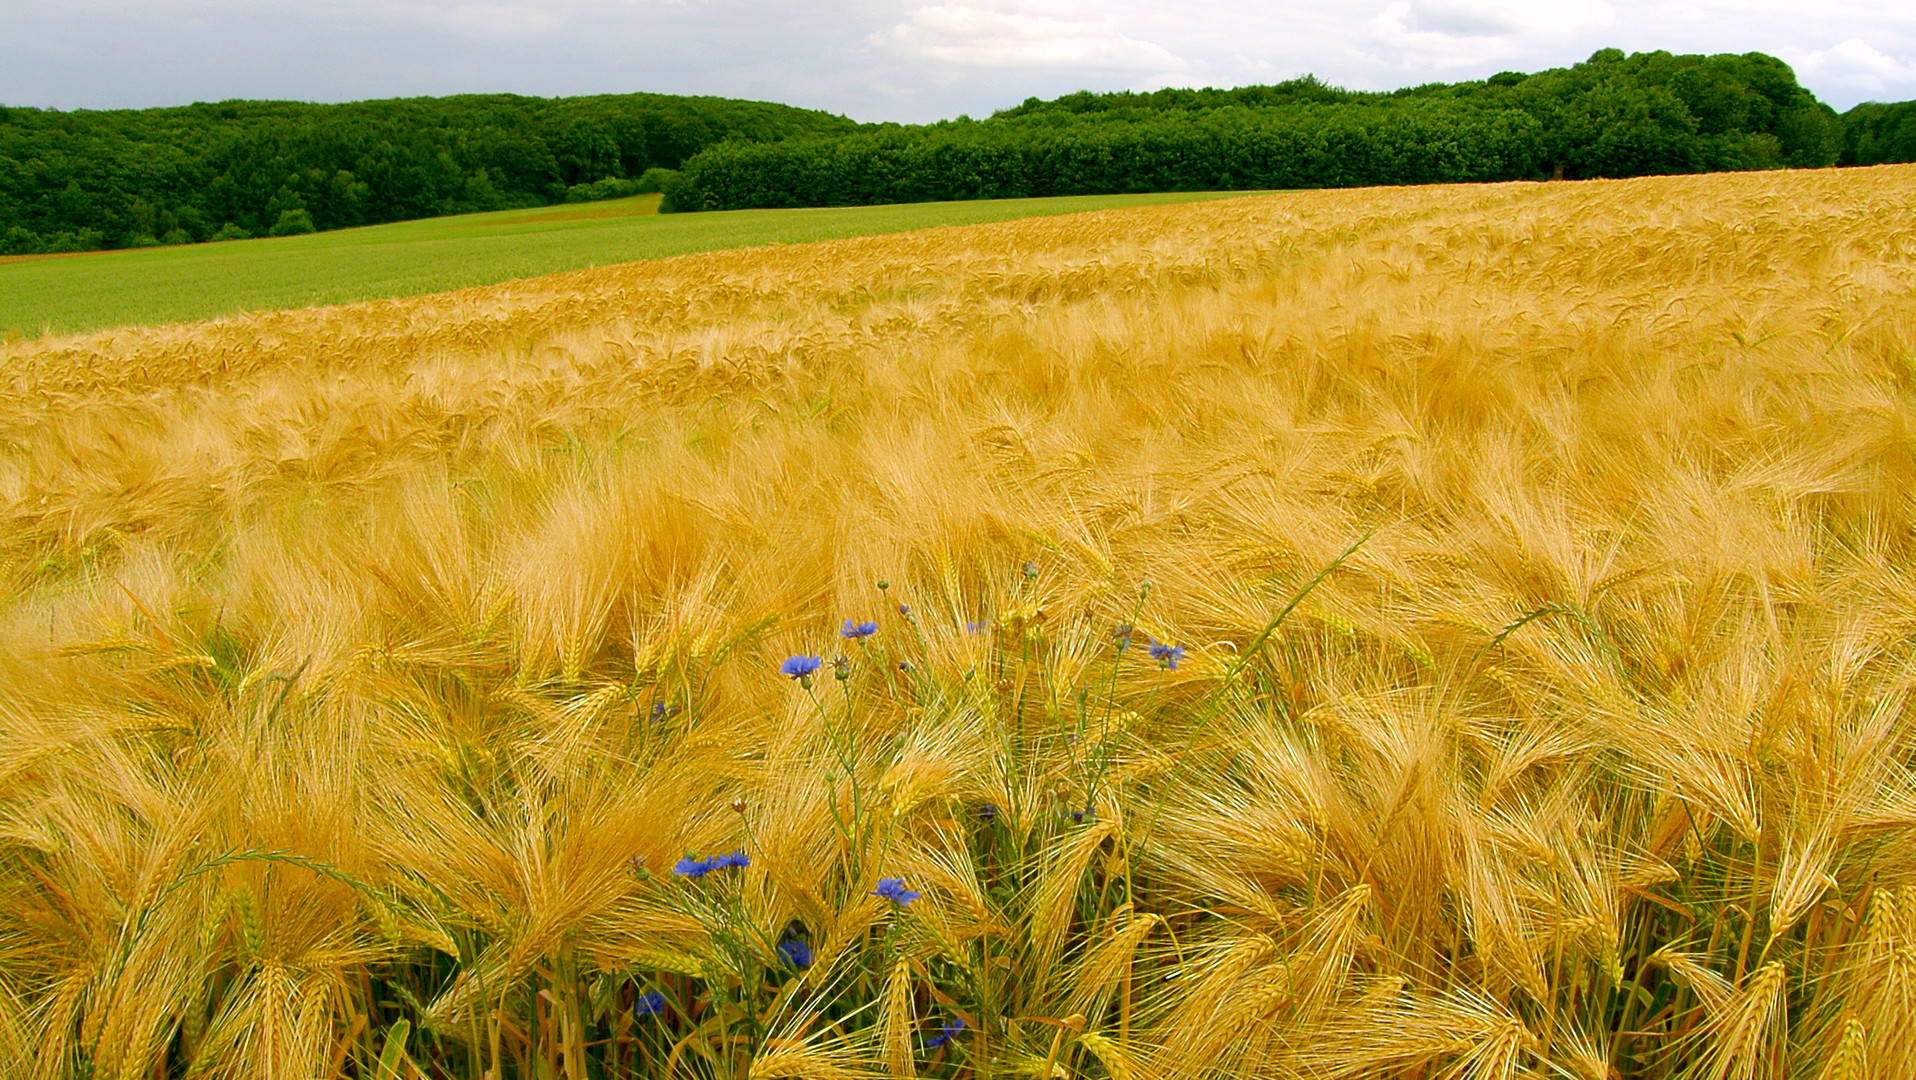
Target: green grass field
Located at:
point(65, 294)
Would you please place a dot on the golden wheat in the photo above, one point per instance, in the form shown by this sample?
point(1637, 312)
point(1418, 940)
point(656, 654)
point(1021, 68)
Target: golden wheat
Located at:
point(1543, 559)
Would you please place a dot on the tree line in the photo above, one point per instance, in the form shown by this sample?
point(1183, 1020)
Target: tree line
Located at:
point(1879, 134)
point(1614, 115)
point(84, 180)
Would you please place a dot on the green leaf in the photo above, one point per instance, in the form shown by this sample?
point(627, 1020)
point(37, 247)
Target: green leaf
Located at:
point(394, 1051)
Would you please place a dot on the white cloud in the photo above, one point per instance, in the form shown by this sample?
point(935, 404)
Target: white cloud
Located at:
point(1023, 34)
point(1854, 64)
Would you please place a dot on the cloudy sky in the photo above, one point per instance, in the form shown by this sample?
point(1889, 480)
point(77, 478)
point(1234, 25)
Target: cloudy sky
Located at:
point(902, 60)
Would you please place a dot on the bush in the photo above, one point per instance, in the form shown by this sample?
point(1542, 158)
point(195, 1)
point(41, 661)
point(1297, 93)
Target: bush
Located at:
point(81, 240)
point(229, 231)
point(611, 187)
point(681, 195)
point(293, 223)
point(653, 180)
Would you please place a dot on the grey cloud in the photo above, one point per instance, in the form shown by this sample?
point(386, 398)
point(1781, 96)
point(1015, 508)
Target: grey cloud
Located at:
point(1461, 20)
point(884, 59)
point(1022, 34)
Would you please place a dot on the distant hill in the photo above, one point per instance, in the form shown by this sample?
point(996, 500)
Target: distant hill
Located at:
point(86, 180)
point(83, 180)
point(1614, 115)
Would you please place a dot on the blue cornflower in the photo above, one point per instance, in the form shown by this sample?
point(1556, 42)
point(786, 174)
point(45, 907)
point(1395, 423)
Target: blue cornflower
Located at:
point(988, 812)
point(1089, 813)
point(977, 627)
point(661, 710)
point(800, 668)
point(694, 867)
point(795, 951)
point(650, 1003)
point(1166, 655)
point(946, 1032)
point(737, 860)
point(1123, 635)
point(854, 629)
point(893, 889)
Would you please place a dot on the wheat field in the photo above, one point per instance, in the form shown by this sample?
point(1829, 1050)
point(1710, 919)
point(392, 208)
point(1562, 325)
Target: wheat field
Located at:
point(1460, 632)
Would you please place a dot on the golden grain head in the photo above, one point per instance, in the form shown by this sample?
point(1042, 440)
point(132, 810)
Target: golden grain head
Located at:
point(1457, 631)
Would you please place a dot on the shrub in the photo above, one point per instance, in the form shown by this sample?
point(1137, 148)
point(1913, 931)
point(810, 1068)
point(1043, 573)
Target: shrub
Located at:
point(293, 223)
point(82, 240)
point(681, 195)
point(610, 187)
point(653, 180)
